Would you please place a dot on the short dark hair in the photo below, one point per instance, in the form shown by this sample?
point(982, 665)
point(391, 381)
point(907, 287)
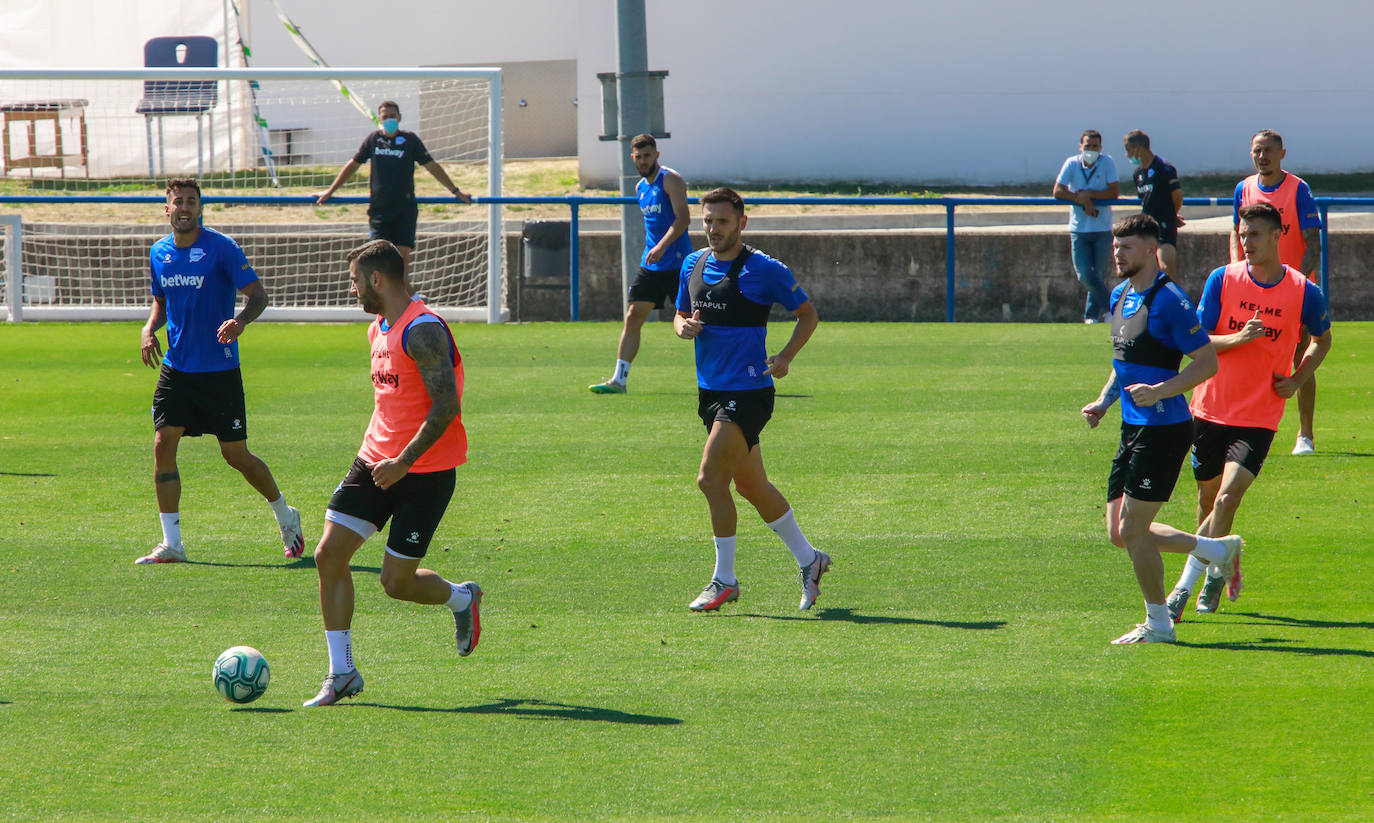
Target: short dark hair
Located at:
point(1136, 137)
point(391, 103)
point(724, 195)
point(379, 256)
point(1137, 225)
point(1269, 134)
point(183, 183)
point(1262, 211)
point(639, 141)
point(1090, 133)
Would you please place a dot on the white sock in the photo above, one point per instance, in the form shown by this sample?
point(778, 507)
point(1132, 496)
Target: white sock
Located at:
point(171, 529)
point(622, 372)
point(725, 560)
point(340, 651)
point(459, 597)
point(280, 509)
point(1157, 617)
point(1192, 573)
point(786, 527)
point(1209, 550)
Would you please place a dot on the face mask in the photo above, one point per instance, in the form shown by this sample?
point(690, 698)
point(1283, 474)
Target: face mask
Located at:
point(1090, 157)
point(1135, 161)
point(390, 125)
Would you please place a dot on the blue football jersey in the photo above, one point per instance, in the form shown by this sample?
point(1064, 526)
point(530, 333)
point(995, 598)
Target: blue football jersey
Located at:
point(200, 285)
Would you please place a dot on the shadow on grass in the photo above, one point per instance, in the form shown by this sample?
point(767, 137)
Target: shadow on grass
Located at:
point(542, 708)
point(1302, 621)
point(26, 474)
point(1277, 644)
point(298, 563)
point(848, 616)
point(262, 709)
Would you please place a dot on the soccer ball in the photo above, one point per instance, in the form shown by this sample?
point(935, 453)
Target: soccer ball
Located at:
point(241, 674)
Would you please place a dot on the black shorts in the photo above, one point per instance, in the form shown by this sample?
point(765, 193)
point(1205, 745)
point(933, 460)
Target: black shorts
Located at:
point(398, 227)
point(202, 402)
point(415, 504)
point(1147, 464)
point(749, 409)
point(1168, 235)
point(657, 287)
point(1216, 444)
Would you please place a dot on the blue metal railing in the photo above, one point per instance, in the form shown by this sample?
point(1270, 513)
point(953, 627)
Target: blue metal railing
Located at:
point(574, 204)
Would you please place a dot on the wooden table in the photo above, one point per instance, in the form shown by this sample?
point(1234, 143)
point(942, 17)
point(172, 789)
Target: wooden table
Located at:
point(32, 113)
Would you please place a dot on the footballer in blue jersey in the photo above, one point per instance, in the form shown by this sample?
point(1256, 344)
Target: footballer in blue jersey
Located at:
point(1153, 325)
point(662, 195)
point(197, 274)
point(723, 303)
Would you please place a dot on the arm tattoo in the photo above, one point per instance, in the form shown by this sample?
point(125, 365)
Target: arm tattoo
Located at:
point(428, 346)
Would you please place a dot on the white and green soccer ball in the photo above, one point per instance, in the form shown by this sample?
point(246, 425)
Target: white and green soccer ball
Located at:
point(241, 674)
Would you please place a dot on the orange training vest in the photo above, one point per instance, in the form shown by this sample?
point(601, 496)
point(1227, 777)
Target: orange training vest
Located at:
point(401, 401)
point(1241, 393)
point(1292, 246)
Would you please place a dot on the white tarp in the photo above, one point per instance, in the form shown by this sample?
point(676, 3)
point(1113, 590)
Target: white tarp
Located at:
point(83, 33)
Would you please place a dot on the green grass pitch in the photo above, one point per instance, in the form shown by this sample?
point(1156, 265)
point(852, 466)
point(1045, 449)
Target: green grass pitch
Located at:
point(956, 666)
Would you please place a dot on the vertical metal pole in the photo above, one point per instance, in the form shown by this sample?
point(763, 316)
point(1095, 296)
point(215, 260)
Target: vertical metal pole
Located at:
point(14, 274)
point(949, 262)
point(574, 270)
point(632, 98)
point(228, 94)
point(495, 231)
point(1322, 208)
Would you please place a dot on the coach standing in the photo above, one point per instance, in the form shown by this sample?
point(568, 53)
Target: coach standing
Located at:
point(1160, 192)
point(1087, 176)
point(391, 210)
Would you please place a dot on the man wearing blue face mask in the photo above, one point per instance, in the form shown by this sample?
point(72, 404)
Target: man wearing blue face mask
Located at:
point(1161, 194)
point(1084, 178)
point(391, 210)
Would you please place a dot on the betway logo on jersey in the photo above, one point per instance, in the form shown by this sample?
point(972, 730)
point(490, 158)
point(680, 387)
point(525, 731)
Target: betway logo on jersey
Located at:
point(178, 280)
point(389, 152)
point(385, 378)
point(652, 208)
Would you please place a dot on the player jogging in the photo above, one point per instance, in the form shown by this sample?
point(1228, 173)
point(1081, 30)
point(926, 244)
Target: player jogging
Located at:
point(196, 273)
point(1252, 310)
point(663, 200)
point(404, 471)
point(1300, 247)
point(723, 302)
point(1152, 327)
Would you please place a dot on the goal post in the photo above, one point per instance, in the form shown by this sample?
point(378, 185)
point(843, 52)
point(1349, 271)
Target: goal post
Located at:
point(87, 153)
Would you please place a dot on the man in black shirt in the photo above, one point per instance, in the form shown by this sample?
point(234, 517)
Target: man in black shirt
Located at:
point(391, 211)
point(1161, 194)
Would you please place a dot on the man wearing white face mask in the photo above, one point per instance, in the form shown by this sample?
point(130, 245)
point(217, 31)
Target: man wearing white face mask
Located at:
point(1084, 178)
point(391, 211)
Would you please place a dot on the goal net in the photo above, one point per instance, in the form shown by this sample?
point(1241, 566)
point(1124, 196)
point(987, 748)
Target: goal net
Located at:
point(87, 154)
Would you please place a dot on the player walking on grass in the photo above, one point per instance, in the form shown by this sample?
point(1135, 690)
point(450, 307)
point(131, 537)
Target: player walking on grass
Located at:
point(1152, 326)
point(1300, 247)
point(1253, 311)
point(723, 302)
point(663, 200)
point(404, 471)
point(195, 274)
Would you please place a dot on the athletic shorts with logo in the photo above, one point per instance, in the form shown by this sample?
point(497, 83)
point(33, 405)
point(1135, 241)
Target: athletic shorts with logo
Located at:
point(657, 287)
point(398, 227)
point(415, 504)
point(750, 409)
point(1216, 444)
point(1147, 464)
point(202, 402)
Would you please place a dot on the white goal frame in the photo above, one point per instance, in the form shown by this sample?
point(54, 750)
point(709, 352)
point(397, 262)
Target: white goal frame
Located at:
point(493, 312)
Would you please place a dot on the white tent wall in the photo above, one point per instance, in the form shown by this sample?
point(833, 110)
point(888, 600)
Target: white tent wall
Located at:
point(86, 34)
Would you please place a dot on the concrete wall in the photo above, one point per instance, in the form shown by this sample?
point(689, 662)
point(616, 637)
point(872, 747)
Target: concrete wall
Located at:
point(900, 275)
